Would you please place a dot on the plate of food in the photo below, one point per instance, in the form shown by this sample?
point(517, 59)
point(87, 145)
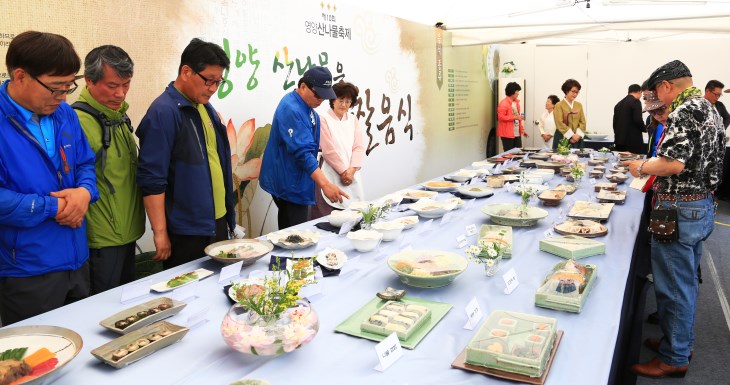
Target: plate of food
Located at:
point(293, 239)
point(581, 227)
point(441, 186)
point(247, 287)
point(569, 188)
point(618, 178)
point(139, 344)
point(236, 250)
point(605, 196)
point(511, 214)
point(428, 208)
point(591, 210)
point(596, 136)
point(408, 221)
point(552, 197)
point(476, 191)
point(139, 316)
point(181, 280)
point(427, 268)
point(419, 194)
point(36, 354)
point(332, 259)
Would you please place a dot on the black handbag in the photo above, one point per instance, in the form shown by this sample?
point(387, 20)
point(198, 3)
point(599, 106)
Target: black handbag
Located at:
point(663, 225)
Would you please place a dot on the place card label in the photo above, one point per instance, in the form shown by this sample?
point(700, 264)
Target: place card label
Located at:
point(548, 233)
point(461, 241)
point(427, 226)
point(197, 318)
point(405, 241)
point(346, 227)
point(469, 203)
point(388, 351)
point(510, 281)
point(229, 272)
point(446, 218)
point(135, 290)
point(592, 181)
point(311, 290)
point(473, 314)
point(407, 248)
point(183, 293)
point(471, 230)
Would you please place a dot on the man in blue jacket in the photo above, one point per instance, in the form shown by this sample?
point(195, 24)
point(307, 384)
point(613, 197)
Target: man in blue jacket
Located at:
point(184, 168)
point(289, 168)
point(47, 180)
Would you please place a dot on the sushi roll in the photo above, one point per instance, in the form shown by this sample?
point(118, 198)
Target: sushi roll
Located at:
point(119, 354)
point(387, 313)
point(378, 320)
point(409, 314)
point(417, 309)
point(407, 322)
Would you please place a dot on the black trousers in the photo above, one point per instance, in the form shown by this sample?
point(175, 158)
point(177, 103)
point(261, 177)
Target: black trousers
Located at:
point(26, 297)
point(111, 266)
point(291, 214)
point(510, 143)
point(186, 248)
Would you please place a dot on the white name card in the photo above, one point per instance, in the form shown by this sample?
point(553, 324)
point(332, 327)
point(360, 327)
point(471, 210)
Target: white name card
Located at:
point(592, 181)
point(473, 314)
point(407, 248)
point(346, 227)
point(461, 241)
point(229, 272)
point(388, 351)
point(548, 233)
point(135, 290)
point(197, 318)
point(186, 292)
point(510, 281)
point(471, 230)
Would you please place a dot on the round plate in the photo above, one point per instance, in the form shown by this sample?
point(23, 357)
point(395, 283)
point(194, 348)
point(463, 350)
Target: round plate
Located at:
point(64, 343)
point(440, 186)
point(419, 194)
point(596, 229)
point(427, 268)
point(475, 191)
point(251, 281)
point(249, 250)
point(508, 214)
point(408, 221)
point(279, 238)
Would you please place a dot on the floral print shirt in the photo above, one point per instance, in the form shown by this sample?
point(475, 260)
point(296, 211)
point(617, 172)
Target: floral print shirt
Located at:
point(695, 137)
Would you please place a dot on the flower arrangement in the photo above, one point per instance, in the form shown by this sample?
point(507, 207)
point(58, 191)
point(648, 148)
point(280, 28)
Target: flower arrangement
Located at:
point(564, 146)
point(487, 252)
point(373, 213)
point(576, 171)
point(509, 67)
point(604, 150)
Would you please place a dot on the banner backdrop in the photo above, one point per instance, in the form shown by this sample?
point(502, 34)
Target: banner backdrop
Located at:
point(414, 128)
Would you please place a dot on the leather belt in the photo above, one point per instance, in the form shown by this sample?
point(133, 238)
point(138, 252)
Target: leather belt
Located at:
point(681, 197)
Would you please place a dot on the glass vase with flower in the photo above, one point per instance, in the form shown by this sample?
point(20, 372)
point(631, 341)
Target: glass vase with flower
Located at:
point(488, 253)
point(373, 213)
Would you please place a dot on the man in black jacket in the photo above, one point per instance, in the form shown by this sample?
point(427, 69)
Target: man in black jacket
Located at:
point(628, 124)
point(713, 92)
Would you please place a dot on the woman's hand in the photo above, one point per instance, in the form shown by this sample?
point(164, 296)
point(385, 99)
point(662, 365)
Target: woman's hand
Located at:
point(575, 138)
point(546, 137)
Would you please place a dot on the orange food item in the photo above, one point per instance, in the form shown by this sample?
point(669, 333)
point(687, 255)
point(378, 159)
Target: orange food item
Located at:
point(42, 355)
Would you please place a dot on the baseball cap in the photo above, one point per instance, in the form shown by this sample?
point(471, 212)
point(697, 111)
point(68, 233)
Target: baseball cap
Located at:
point(675, 69)
point(320, 78)
point(651, 102)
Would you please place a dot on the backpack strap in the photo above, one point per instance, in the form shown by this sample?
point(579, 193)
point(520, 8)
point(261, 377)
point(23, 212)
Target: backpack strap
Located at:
point(106, 133)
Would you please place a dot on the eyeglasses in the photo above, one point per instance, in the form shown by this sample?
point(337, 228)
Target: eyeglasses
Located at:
point(58, 92)
point(717, 95)
point(210, 82)
point(658, 111)
point(311, 88)
point(345, 101)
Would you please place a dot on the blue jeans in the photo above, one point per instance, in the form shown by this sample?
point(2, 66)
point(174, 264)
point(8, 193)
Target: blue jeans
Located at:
point(675, 278)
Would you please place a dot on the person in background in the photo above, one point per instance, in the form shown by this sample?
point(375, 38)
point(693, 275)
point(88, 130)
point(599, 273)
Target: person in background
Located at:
point(628, 124)
point(723, 192)
point(510, 121)
point(547, 121)
point(713, 92)
point(46, 180)
point(343, 149)
point(570, 121)
point(687, 169)
point(289, 169)
point(184, 168)
point(116, 221)
point(658, 113)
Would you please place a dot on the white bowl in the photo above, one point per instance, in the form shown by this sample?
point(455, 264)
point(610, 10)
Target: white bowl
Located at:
point(391, 230)
point(430, 209)
point(408, 221)
point(365, 240)
point(476, 191)
point(418, 194)
point(597, 136)
point(339, 217)
point(459, 202)
point(391, 199)
point(358, 205)
point(537, 188)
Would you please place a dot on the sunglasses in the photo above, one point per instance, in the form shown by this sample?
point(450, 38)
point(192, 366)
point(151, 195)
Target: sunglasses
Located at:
point(658, 111)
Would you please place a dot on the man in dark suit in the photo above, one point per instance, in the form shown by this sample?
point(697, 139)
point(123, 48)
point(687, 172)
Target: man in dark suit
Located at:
point(628, 124)
point(713, 92)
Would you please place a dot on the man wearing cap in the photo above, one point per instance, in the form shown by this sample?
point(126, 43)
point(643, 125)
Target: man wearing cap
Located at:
point(687, 169)
point(289, 168)
point(628, 124)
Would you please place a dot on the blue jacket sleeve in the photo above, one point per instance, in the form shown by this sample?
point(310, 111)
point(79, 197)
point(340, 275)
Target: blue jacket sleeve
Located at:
point(23, 210)
point(85, 161)
point(297, 136)
point(156, 135)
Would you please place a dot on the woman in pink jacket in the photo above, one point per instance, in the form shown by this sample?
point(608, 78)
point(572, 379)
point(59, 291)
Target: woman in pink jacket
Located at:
point(510, 119)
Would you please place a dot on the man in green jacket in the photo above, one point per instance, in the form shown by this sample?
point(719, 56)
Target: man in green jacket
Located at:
point(117, 219)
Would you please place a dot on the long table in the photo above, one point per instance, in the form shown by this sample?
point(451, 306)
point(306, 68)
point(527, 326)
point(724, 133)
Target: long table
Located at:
point(585, 353)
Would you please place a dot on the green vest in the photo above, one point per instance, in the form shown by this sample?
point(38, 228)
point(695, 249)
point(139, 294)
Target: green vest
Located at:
point(119, 218)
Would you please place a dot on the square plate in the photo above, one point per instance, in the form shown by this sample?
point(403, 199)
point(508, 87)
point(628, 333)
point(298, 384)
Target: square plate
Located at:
point(104, 352)
point(591, 210)
point(351, 325)
point(176, 307)
point(162, 287)
point(460, 363)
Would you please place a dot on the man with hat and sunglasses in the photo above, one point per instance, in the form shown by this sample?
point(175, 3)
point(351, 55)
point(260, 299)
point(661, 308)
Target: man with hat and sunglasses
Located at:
point(289, 168)
point(687, 169)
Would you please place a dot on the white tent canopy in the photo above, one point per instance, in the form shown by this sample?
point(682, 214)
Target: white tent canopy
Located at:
point(564, 22)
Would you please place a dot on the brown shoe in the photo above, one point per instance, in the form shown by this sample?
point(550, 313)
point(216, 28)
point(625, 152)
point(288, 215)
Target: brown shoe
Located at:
point(653, 345)
point(658, 369)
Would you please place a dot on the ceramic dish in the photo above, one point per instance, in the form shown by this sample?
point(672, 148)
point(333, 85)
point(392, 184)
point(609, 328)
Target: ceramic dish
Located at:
point(510, 214)
point(537, 188)
point(581, 227)
point(476, 191)
point(365, 240)
point(591, 210)
point(168, 333)
point(462, 176)
point(531, 149)
point(551, 165)
point(544, 173)
point(495, 181)
point(428, 208)
point(332, 259)
point(618, 170)
point(391, 199)
point(610, 186)
point(596, 174)
point(568, 188)
point(541, 156)
point(163, 286)
point(618, 178)
point(440, 186)
point(483, 164)
point(64, 344)
point(408, 221)
point(237, 250)
point(139, 316)
point(596, 136)
point(459, 202)
point(419, 194)
point(390, 230)
point(358, 205)
point(617, 197)
point(427, 268)
point(293, 239)
point(339, 217)
point(255, 285)
point(552, 197)
point(513, 170)
point(597, 161)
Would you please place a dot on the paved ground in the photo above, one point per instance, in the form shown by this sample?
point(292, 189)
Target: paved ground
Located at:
point(711, 361)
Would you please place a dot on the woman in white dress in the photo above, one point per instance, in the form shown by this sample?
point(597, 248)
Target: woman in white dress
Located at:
point(547, 121)
point(343, 148)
